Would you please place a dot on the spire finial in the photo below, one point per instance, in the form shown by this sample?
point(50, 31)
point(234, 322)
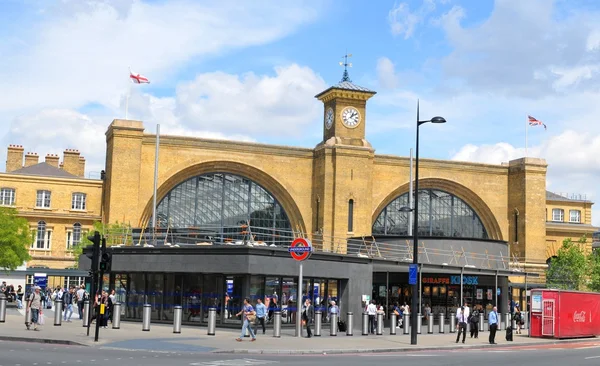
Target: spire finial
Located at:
point(346, 65)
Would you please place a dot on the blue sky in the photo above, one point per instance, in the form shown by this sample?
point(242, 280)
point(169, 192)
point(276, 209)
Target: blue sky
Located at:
point(249, 71)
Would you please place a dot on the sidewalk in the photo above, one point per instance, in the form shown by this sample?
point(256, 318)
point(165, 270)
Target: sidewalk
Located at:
point(194, 339)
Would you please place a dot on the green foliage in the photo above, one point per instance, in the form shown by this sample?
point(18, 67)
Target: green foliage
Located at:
point(117, 233)
point(594, 263)
point(15, 239)
point(569, 268)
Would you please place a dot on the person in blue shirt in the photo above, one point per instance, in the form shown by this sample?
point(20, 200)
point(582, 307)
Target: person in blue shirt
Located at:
point(261, 313)
point(248, 317)
point(493, 321)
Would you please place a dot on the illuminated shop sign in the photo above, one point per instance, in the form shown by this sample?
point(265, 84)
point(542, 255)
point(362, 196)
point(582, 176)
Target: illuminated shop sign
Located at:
point(452, 280)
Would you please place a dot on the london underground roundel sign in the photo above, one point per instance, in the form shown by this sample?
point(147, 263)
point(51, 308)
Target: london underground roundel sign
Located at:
point(300, 249)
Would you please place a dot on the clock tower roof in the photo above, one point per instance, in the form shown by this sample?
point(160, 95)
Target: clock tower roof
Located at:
point(346, 86)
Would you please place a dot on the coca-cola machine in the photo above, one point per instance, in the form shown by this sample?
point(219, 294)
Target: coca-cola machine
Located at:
point(564, 314)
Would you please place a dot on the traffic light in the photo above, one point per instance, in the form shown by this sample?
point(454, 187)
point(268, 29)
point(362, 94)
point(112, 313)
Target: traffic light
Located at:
point(105, 262)
point(95, 239)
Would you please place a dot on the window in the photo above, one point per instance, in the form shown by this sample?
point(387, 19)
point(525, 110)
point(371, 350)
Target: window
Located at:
point(558, 214)
point(42, 236)
point(350, 216)
point(74, 236)
point(43, 199)
point(78, 201)
point(7, 197)
point(575, 216)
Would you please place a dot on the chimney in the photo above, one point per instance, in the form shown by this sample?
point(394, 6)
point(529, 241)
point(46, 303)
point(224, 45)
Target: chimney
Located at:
point(14, 158)
point(31, 158)
point(52, 159)
point(71, 161)
point(81, 171)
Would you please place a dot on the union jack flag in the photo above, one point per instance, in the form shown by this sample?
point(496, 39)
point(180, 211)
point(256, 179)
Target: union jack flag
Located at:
point(536, 122)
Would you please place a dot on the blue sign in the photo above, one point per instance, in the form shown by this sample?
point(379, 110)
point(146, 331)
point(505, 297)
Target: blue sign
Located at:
point(40, 281)
point(299, 249)
point(498, 291)
point(412, 274)
point(467, 280)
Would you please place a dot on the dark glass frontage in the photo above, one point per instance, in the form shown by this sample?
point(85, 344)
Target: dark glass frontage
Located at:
point(196, 293)
point(227, 207)
point(441, 214)
point(440, 292)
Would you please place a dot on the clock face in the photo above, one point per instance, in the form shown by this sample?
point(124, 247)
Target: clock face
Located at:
point(350, 117)
point(329, 118)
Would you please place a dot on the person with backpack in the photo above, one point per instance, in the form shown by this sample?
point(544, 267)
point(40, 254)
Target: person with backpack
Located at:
point(474, 321)
point(34, 306)
point(518, 318)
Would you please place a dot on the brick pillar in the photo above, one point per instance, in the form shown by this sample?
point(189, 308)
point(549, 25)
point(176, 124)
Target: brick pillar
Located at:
point(71, 161)
point(14, 158)
point(31, 158)
point(52, 159)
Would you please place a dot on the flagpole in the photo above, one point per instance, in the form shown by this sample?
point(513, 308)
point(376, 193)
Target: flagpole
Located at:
point(526, 131)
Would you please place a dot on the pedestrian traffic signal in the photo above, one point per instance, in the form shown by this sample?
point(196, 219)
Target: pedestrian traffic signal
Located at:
point(105, 262)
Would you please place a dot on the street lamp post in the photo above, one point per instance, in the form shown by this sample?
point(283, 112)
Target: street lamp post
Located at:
point(415, 210)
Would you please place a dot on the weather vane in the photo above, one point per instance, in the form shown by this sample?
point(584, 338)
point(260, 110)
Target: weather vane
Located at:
point(346, 65)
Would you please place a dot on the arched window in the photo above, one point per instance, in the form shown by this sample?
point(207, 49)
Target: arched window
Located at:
point(441, 214)
point(40, 242)
point(220, 204)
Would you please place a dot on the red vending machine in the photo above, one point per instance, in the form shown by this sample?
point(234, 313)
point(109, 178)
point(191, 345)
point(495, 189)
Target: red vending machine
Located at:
point(564, 314)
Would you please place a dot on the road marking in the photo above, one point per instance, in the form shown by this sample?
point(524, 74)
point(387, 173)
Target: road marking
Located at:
point(587, 347)
point(404, 355)
point(236, 362)
point(592, 357)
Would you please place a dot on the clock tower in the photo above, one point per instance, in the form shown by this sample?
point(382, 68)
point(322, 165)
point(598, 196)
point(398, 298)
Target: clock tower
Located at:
point(344, 112)
point(342, 169)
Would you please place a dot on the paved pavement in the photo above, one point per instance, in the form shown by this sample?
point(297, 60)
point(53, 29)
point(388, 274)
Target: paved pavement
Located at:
point(194, 339)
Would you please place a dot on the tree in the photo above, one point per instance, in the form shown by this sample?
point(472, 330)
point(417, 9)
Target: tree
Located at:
point(594, 277)
point(15, 239)
point(115, 234)
point(568, 269)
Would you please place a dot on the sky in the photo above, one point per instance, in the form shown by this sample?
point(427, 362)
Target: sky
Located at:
point(249, 71)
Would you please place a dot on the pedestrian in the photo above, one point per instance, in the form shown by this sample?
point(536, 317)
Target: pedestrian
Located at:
point(398, 313)
point(371, 310)
point(80, 295)
point(67, 300)
point(105, 300)
point(474, 321)
point(493, 322)
point(333, 309)
point(461, 325)
point(248, 316)
point(20, 297)
point(261, 313)
point(34, 305)
point(307, 315)
point(518, 318)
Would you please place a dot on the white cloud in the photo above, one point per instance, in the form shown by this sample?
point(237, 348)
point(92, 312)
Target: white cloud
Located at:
point(386, 73)
point(403, 22)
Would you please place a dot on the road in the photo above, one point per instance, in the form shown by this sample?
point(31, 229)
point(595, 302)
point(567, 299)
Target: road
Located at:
point(25, 354)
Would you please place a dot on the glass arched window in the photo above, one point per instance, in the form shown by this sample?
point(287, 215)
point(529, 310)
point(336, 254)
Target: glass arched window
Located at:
point(220, 205)
point(76, 234)
point(440, 214)
point(40, 240)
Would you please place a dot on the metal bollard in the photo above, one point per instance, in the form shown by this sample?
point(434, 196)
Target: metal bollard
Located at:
point(365, 324)
point(177, 313)
point(481, 321)
point(349, 323)
point(379, 330)
point(86, 312)
point(212, 321)
point(2, 309)
point(318, 323)
point(333, 325)
point(116, 316)
point(430, 319)
point(406, 323)
point(146, 317)
point(419, 322)
point(442, 319)
point(27, 317)
point(393, 322)
point(58, 312)
point(452, 324)
point(507, 321)
point(525, 318)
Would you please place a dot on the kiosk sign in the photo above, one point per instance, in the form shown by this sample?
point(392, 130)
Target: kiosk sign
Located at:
point(300, 249)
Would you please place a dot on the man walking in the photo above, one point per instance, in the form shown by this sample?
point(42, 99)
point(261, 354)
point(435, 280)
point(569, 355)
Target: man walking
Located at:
point(461, 321)
point(372, 312)
point(493, 321)
point(261, 313)
point(34, 304)
point(67, 300)
point(248, 317)
point(80, 299)
point(307, 316)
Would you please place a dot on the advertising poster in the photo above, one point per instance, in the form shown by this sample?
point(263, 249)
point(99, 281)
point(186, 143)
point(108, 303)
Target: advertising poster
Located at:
point(490, 294)
point(536, 303)
point(479, 294)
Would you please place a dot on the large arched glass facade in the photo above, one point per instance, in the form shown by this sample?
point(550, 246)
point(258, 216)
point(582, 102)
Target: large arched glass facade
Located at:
point(440, 214)
point(222, 205)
